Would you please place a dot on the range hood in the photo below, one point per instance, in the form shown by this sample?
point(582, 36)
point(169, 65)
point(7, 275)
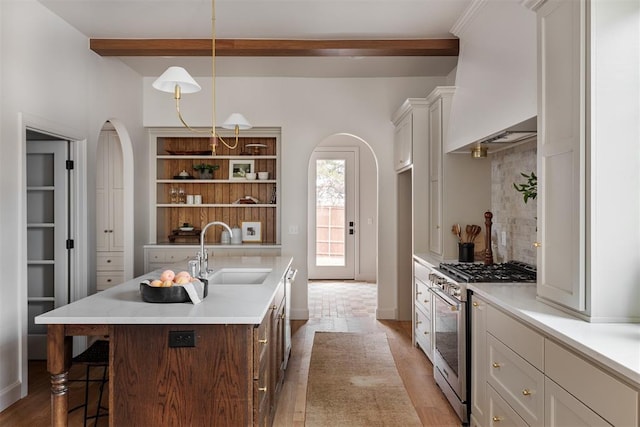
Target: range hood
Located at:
point(507, 138)
point(494, 106)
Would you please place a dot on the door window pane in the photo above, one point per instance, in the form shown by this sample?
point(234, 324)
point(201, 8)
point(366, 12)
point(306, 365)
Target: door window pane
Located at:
point(330, 212)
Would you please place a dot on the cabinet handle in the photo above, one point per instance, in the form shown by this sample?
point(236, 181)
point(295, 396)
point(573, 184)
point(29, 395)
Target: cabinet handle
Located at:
point(496, 419)
point(537, 244)
point(526, 392)
point(108, 261)
point(418, 322)
point(475, 304)
point(495, 365)
point(418, 293)
point(274, 307)
point(426, 301)
point(106, 231)
point(426, 333)
point(264, 341)
point(283, 316)
point(437, 227)
point(108, 280)
point(262, 389)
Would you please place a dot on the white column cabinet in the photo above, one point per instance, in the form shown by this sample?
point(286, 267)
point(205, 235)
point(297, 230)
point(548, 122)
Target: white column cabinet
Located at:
point(459, 186)
point(109, 212)
point(587, 135)
point(109, 190)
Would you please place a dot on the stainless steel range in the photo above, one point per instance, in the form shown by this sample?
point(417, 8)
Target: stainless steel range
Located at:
point(448, 284)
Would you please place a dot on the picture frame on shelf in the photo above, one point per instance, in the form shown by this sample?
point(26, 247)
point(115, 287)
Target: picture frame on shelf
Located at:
point(251, 231)
point(239, 168)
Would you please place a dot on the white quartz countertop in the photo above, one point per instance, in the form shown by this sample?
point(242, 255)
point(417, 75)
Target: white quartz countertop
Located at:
point(224, 304)
point(614, 346)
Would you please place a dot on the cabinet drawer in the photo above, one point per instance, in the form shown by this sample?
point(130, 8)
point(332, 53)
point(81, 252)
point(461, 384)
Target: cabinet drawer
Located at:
point(421, 272)
point(518, 382)
point(500, 413)
point(520, 338)
point(423, 298)
point(610, 398)
point(109, 261)
point(172, 256)
point(260, 347)
point(423, 331)
point(105, 280)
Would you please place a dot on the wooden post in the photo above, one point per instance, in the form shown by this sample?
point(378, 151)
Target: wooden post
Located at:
point(488, 253)
point(59, 349)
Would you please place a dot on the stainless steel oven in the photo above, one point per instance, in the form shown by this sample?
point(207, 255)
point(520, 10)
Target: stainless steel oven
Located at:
point(450, 358)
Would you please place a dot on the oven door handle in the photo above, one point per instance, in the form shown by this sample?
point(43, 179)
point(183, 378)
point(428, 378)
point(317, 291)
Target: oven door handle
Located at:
point(453, 304)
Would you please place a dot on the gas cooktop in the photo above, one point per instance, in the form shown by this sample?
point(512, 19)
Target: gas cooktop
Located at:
point(512, 271)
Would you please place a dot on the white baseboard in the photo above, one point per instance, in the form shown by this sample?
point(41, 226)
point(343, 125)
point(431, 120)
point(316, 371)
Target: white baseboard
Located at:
point(387, 314)
point(299, 314)
point(10, 395)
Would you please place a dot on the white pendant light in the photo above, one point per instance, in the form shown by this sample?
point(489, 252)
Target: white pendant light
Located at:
point(179, 81)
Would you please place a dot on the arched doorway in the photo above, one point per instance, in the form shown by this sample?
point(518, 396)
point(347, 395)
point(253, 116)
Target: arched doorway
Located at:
point(342, 216)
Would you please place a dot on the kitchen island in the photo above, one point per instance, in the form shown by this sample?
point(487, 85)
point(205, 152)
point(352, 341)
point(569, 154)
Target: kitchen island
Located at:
point(225, 370)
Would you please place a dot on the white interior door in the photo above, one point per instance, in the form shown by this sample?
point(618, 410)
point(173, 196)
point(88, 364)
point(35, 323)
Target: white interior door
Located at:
point(332, 213)
point(47, 234)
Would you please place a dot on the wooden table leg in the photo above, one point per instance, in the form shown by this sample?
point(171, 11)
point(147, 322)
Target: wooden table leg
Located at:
point(59, 349)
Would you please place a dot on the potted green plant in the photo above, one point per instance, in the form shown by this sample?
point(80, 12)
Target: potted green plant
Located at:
point(205, 170)
point(529, 189)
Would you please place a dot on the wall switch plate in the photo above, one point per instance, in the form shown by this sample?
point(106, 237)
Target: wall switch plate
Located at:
point(503, 238)
point(293, 229)
point(182, 339)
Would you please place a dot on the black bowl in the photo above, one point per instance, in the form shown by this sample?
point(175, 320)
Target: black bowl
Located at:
point(163, 295)
point(175, 293)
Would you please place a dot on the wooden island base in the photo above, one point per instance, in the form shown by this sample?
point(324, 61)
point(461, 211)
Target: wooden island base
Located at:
point(227, 375)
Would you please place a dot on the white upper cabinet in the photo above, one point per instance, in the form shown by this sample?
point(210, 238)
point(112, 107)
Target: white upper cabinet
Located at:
point(410, 132)
point(588, 163)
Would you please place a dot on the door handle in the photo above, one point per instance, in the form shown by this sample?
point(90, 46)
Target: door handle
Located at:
point(351, 229)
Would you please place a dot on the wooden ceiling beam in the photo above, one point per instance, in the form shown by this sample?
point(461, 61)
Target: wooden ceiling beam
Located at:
point(265, 47)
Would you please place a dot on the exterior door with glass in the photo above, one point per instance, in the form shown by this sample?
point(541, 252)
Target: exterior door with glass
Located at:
point(332, 208)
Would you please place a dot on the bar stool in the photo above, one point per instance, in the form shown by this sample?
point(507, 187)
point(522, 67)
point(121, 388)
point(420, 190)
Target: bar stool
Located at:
point(95, 356)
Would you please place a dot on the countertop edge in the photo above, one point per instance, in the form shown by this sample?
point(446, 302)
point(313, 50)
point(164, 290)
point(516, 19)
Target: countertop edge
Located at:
point(123, 305)
point(542, 317)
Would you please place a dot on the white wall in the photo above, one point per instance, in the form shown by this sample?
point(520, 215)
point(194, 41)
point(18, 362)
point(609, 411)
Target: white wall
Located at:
point(49, 76)
point(308, 110)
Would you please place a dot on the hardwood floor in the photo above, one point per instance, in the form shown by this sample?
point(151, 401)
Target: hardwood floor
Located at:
point(342, 307)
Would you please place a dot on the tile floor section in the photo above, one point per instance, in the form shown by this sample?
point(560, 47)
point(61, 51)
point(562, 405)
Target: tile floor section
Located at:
point(342, 299)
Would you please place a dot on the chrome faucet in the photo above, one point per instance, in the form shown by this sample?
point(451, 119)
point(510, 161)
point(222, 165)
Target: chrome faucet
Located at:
point(203, 256)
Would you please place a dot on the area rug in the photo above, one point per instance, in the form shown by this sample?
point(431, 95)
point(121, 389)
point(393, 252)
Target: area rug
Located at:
point(353, 381)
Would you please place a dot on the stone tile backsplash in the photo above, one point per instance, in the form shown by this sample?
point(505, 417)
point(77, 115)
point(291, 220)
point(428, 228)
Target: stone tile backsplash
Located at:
point(510, 213)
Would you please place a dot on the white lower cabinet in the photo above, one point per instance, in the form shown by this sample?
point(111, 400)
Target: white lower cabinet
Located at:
point(500, 413)
point(160, 257)
point(423, 327)
point(478, 395)
point(562, 409)
point(109, 269)
point(521, 377)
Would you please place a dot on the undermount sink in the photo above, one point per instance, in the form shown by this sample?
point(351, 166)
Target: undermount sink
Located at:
point(238, 276)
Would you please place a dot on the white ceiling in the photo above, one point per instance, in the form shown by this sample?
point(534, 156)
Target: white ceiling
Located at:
point(272, 19)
